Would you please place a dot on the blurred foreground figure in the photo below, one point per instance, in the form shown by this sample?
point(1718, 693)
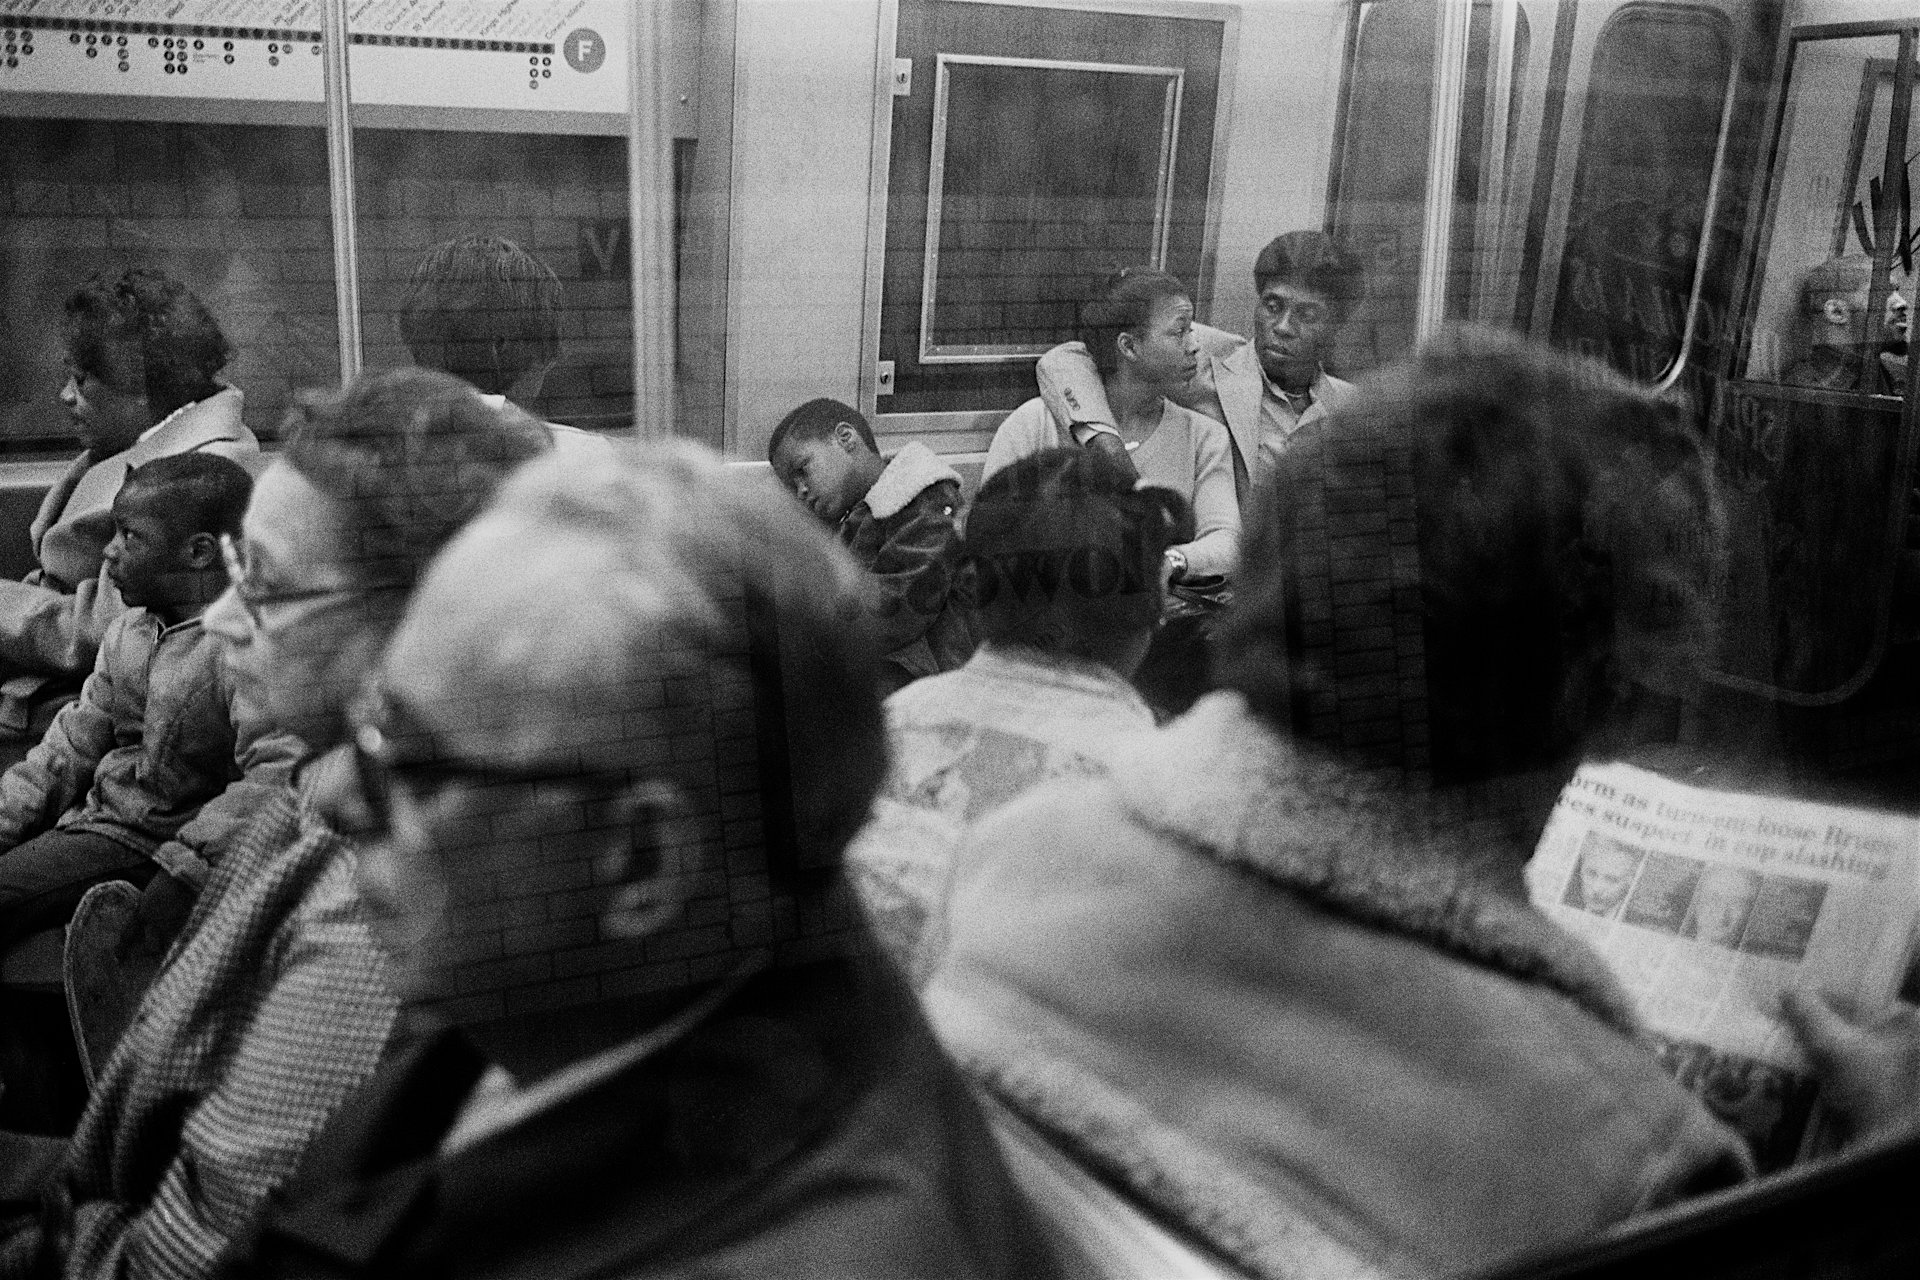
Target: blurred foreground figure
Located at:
point(782, 1118)
point(1285, 994)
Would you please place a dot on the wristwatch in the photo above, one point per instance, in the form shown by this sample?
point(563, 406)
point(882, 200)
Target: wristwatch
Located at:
point(1176, 564)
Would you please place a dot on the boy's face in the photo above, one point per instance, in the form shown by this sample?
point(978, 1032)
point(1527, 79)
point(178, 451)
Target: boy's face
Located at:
point(822, 472)
point(146, 558)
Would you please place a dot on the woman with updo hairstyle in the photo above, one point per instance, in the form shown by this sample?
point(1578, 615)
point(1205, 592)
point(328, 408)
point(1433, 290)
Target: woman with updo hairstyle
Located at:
point(1139, 328)
point(1061, 564)
point(143, 357)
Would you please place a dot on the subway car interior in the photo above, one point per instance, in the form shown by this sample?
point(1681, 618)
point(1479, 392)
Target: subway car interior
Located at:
point(768, 834)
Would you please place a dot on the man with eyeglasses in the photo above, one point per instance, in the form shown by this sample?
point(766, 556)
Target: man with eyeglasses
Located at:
point(633, 1079)
point(1264, 390)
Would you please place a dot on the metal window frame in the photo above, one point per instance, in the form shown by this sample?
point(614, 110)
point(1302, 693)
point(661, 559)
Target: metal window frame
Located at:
point(649, 204)
point(1002, 353)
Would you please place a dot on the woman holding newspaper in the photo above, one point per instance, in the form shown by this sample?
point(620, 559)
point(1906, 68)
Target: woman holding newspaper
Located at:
point(1407, 1068)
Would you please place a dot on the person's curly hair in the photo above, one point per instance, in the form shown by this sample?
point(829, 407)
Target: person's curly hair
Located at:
point(144, 333)
point(412, 454)
point(1557, 529)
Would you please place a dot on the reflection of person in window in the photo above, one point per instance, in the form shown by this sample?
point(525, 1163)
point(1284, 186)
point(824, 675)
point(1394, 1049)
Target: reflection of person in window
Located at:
point(1893, 335)
point(1834, 300)
point(1721, 905)
point(1605, 872)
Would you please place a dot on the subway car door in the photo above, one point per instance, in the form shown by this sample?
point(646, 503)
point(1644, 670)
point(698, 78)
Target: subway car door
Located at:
point(1033, 150)
point(1623, 179)
point(1816, 439)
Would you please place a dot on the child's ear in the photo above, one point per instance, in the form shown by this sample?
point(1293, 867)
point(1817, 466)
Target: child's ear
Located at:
point(847, 438)
point(201, 551)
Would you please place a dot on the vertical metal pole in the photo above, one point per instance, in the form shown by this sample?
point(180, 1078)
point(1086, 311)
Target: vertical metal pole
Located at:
point(1451, 38)
point(1491, 291)
point(650, 213)
point(340, 189)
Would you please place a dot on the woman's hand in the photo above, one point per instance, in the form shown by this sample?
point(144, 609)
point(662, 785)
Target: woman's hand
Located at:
point(1869, 1067)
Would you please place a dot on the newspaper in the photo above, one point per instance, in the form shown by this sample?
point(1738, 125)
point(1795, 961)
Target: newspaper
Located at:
point(1710, 904)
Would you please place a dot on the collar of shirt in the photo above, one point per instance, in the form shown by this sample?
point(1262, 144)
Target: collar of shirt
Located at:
point(161, 425)
point(1279, 418)
point(498, 1102)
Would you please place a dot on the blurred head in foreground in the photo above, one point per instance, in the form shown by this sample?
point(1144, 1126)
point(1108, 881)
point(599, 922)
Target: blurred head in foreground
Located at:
point(374, 479)
point(577, 658)
point(1558, 551)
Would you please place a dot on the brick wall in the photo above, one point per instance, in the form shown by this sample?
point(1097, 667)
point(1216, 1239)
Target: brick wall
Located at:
point(240, 212)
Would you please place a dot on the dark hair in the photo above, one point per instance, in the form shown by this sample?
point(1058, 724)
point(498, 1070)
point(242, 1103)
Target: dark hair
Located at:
point(1123, 304)
point(1313, 260)
point(1545, 532)
point(1062, 548)
point(484, 309)
point(412, 454)
point(816, 420)
point(197, 492)
point(145, 333)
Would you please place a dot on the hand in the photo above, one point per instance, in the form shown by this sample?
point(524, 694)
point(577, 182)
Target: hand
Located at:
point(1869, 1067)
point(1114, 448)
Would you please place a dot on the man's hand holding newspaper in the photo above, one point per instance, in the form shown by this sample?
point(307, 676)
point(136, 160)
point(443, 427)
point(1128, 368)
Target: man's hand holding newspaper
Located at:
point(1737, 922)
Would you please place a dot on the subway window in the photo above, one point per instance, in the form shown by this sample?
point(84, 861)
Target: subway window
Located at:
point(1653, 108)
point(945, 637)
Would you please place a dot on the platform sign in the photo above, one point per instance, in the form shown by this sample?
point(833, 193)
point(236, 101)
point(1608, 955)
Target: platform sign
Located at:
point(517, 55)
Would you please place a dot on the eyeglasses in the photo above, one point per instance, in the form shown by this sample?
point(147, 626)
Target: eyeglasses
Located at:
point(256, 600)
point(391, 745)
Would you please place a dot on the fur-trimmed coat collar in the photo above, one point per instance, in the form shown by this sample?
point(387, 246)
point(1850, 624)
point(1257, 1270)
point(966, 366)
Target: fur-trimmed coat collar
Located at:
point(908, 474)
point(1254, 987)
point(1219, 780)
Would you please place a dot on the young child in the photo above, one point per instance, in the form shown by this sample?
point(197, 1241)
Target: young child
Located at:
point(899, 516)
point(116, 788)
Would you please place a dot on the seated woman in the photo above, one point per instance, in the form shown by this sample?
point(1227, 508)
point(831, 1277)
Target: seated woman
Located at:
point(1297, 1005)
point(274, 1002)
point(143, 359)
point(1061, 560)
point(1140, 331)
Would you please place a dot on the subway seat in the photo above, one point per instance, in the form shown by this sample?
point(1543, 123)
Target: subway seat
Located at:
point(34, 964)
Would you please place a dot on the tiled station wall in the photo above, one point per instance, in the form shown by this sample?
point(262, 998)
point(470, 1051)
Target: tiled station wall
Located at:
point(240, 212)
